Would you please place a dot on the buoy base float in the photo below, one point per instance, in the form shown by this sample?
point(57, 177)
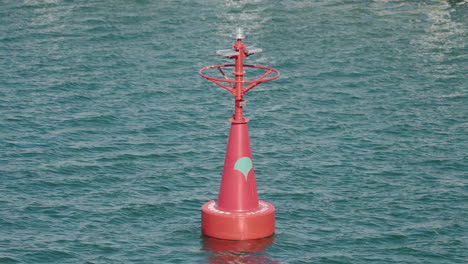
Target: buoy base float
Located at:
point(238, 225)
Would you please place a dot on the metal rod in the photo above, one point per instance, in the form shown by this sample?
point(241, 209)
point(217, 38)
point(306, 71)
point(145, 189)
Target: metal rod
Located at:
point(225, 77)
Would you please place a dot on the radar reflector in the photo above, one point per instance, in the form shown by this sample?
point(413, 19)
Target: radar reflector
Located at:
point(227, 53)
point(231, 52)
point(252, 50)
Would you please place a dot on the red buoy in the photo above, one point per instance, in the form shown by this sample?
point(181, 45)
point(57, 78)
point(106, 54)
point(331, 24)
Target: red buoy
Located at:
point(238, 214)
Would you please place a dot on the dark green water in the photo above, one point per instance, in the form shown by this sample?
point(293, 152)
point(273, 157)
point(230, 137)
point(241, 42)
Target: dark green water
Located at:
point(110, 142)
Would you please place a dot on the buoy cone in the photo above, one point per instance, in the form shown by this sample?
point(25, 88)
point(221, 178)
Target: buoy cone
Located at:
point(238, 214)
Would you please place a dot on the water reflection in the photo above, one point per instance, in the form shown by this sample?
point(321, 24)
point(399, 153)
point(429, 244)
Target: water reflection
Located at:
point(444, 39)
point(248, 14)
point(245, 251)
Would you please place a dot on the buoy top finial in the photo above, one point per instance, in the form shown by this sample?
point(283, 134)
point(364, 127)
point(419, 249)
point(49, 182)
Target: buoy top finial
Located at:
point(240, 33)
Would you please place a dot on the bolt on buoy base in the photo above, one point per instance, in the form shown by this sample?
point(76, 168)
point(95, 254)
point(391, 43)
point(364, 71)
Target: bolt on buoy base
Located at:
point(238, 214)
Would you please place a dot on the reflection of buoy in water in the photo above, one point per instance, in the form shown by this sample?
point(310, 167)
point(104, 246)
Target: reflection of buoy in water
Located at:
point(211, 244)
point(238, 214)
point(237, 251)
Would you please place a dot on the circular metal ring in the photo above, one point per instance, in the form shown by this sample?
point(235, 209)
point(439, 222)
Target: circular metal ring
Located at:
point(269, 70)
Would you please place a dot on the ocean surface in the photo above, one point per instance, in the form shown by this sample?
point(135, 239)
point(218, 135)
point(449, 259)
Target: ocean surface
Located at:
point(110, 141)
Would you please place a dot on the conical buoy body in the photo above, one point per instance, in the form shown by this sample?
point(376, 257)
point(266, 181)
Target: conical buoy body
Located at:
point(238, 214)
point(238, 190)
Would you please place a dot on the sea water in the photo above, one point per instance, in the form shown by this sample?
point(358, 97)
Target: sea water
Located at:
point(110, 142)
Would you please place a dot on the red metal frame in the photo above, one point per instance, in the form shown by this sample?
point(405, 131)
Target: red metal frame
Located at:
point(252, 83)
point(236, 87)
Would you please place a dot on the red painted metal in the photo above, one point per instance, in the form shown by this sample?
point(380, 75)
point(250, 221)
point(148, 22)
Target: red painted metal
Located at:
point(231, 89)
point(238, 192)
point(238, 214)
point(238, 90)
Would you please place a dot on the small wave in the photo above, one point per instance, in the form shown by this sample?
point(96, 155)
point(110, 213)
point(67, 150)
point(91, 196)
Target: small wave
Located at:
point(7, 260)
point(454, 95)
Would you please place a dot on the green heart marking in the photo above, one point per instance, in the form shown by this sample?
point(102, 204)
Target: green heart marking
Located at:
point(244, 165)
